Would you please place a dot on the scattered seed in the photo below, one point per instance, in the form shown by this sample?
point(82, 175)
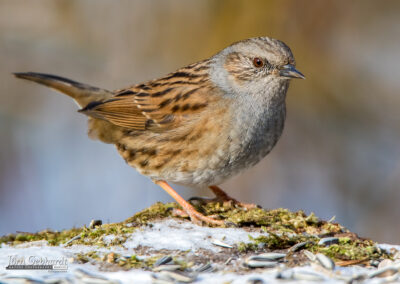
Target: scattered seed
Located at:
point(309, 255)
point(205, 268)
point(255, 281)
point(385, 263)
point(285, 274)
point(166, 267)
point(358, 278)
point(328, 241)
point(384, 272)
point(163, 260)
point(161, 279)
point(269, 256)
point(260, 264)
point(177, 276)
point(95, 223)
point(299, 246)
point(374, 262)
point(228, 260)
point(325, 261)
point(77, 237)
point(221, 244)
point(266, 260)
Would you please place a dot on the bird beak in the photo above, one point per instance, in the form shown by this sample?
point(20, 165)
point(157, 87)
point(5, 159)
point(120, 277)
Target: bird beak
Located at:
point(290, 71)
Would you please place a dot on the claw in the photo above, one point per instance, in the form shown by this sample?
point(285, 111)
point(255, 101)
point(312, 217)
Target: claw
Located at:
point(188, 210)
point(230, 224)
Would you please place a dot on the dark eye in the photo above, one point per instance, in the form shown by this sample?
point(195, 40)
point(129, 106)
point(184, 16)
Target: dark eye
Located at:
point(258, 62)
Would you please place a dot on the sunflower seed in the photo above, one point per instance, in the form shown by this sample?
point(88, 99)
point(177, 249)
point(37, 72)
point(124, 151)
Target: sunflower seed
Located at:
point(325, 261)
point(166, 267)
point(385, 263)
point(358, 278)
point(260, 264)
point(77, 237)
point(384, 272)
point(309, 255)
point(299, 246)
point(305, 275)
point(269, 256)
point(221, 244)
point(228, 260)
point(285, 274)
point(374, 263)
point(177, 276)
point(205, 268)
point(328, 241)
point(163, 260)
point(255, 281)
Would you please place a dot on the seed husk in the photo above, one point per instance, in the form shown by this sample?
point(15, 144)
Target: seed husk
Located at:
point(325, 261)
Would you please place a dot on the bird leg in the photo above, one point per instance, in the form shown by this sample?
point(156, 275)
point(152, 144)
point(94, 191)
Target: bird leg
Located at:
point(195, 216)
point(222, 196)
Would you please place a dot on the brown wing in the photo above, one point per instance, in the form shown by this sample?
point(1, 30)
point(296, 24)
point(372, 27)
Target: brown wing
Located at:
point(157, 105)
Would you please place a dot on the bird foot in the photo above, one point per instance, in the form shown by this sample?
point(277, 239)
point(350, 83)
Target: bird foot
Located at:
point(188, 210)
point(197, 218)
point(224, 199)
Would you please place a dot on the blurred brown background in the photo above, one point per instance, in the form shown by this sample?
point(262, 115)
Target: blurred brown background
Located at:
point(339, 154)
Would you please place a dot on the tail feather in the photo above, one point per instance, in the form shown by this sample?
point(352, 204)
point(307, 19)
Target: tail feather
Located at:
point(83, 94)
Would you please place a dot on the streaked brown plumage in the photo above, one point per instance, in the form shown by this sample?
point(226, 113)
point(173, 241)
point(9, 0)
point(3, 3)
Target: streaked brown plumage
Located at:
point(199, 125)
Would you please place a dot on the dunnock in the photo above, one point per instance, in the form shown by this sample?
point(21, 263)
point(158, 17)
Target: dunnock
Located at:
point(197, 126)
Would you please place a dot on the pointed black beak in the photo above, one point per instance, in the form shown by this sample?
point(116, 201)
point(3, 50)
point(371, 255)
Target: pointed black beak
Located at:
point(290, 71)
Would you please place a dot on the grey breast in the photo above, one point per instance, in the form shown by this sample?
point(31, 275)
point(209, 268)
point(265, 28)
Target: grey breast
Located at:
point(258, 137)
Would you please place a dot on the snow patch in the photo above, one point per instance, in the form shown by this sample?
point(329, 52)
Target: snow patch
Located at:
point(176, 235)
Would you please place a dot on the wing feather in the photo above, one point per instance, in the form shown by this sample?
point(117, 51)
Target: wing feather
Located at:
point(159, 104)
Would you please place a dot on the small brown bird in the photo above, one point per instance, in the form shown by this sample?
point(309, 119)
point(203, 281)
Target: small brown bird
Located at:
point(197, 126)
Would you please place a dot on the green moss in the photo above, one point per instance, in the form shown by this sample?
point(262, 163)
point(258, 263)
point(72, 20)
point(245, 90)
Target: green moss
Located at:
point(87, 236)
point(133, 262)
point(156, 211)
point(346, 249)
point(273, 242)
point(53, 238)
point(82, 258)
point(351, 249)
point(277, 220)
point(283, 227)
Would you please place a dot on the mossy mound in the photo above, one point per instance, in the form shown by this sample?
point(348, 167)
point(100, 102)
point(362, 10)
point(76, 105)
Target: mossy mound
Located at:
point(283, 229)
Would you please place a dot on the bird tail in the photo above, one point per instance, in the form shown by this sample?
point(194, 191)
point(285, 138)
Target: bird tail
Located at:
point(83, 94)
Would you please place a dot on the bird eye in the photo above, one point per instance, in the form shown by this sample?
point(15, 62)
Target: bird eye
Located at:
point(258, 62)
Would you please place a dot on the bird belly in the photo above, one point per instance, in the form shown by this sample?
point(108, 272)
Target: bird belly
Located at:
point(207, 155)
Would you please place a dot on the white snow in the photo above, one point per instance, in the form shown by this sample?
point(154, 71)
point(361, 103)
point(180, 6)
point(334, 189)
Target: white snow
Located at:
point(177, 235)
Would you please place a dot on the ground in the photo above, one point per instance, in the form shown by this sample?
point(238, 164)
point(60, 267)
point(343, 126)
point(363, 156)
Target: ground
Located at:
point(152, 245)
